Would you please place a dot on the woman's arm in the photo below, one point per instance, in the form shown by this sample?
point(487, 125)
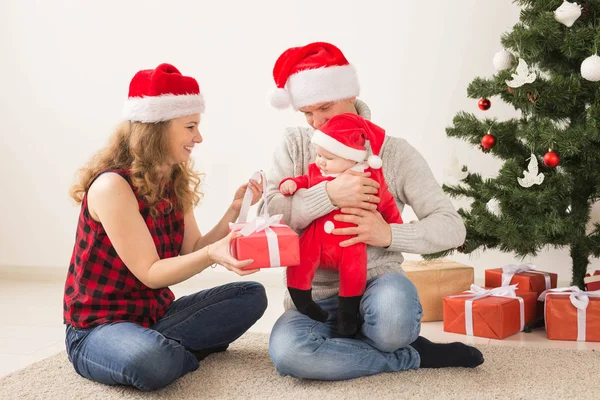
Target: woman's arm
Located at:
point(112, 203)
point(193, 240)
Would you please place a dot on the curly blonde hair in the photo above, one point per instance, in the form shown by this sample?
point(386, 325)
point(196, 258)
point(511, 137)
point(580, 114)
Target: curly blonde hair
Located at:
point(142, 148)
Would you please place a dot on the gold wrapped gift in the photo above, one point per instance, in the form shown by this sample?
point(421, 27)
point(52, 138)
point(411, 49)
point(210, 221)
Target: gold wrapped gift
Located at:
point(436, 279)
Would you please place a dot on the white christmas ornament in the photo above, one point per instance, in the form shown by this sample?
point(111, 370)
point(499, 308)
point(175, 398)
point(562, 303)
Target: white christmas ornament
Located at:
point(567, 13)
point(454, 169)
point(522, 76)
point(590, 68)
point(493, 206)
point(503, 60)
point(531, 176)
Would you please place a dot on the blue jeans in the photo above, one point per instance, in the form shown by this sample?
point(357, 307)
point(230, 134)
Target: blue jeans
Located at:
point(391, 311)
point(125, 353)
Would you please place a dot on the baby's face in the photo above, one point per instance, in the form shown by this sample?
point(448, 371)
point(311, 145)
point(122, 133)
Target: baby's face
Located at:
point(329, 163)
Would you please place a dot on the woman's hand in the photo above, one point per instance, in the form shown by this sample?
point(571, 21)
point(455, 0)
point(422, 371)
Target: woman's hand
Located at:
point(238, 198)
point(219, 253)
point(288, 188)
point(354, 189)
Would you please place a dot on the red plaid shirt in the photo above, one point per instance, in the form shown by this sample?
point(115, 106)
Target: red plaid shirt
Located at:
point(100, 288)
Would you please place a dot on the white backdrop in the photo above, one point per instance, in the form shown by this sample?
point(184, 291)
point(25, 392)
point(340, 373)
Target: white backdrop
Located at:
point(66, 65)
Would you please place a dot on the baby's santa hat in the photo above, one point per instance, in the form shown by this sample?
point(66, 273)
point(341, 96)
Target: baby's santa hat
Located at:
point(312, 74)
point(345, 134)
point(162, 94)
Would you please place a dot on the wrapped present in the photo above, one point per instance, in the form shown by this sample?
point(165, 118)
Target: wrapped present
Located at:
point(572, 314)
point(525, 275)
point(435, 280)
point(495, 313)
point(265, 239)
point(592, 282)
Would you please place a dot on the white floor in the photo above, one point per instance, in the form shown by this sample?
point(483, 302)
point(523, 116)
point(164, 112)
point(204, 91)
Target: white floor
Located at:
point(31, 326)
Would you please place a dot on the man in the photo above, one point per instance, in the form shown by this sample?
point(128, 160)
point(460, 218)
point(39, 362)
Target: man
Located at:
point(317, 80)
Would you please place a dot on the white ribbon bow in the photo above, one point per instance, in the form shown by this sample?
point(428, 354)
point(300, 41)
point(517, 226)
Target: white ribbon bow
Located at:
point(580, 300)
point(479, 293)
point(509, 270)
point(262, 222)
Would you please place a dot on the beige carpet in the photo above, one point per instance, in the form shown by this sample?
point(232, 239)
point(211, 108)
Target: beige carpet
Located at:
point(245, 371)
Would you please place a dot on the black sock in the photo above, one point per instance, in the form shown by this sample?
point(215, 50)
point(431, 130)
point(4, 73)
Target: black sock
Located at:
point(347, 318)
point(305, 304)
point(441, 355)
point(203, 353)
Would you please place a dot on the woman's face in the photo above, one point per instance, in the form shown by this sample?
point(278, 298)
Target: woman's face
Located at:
point(183, 135)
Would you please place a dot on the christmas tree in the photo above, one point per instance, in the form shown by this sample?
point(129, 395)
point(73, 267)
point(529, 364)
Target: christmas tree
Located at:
point(549, 70)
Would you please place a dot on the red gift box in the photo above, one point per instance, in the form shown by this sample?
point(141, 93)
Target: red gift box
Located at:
point(592, 282)
point(275, 246)
point(493, 313)
point(264, 239)
point(572, 314)
point(524, 275)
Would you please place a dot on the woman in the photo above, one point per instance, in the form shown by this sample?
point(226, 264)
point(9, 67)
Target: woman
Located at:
point(137, 235)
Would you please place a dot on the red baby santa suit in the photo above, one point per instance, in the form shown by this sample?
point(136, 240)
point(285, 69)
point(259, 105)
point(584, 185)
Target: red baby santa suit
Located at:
point(343, 135)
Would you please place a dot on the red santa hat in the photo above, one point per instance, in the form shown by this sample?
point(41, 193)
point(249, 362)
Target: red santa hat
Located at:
point(344, 135)
point(162, 94)
point(312, 74)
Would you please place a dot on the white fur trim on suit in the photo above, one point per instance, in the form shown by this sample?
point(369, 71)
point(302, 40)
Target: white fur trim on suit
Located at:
point(162, 108)
point(339, 149)
point(313, 86)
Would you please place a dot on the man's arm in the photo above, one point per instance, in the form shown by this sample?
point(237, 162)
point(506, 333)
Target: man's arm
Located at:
point(439, 226)
point(387, 207)
point(305, 205)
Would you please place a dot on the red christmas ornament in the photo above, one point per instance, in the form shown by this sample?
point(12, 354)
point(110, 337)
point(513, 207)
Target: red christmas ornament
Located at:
point(510, 90)
point(484, 104)
point(551, 159)
point(488, 141)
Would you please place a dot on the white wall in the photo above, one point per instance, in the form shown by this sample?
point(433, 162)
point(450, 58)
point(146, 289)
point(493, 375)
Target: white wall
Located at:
point(65, 68)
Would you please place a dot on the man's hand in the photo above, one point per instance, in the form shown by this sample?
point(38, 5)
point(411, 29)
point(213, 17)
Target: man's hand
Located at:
point(370, 228)
point(355, 190)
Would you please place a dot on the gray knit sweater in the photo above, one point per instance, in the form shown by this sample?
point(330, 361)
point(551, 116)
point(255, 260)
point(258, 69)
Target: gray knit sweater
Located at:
point(410, 181)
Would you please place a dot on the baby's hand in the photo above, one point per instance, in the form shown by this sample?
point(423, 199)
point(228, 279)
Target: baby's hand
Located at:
point(288, 187)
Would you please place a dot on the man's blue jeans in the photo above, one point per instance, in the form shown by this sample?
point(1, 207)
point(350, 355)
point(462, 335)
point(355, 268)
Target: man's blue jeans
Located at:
point(125, 353)
point(303, 348)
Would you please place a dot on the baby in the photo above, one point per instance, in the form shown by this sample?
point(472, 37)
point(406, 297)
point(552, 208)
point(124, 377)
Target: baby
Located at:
point(340, 146)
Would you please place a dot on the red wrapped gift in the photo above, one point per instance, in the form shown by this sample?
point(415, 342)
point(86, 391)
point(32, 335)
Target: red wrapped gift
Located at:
point(265, 239)
point(572, 314)
point(525, 275)
point(493, 313)
point(275, 245)
point(592, 282)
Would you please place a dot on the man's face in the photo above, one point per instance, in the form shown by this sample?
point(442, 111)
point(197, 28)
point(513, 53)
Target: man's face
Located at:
point(317, 115)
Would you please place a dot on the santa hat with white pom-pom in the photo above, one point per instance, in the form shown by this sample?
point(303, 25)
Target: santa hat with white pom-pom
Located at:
point(345, 134)
point(312, 74)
